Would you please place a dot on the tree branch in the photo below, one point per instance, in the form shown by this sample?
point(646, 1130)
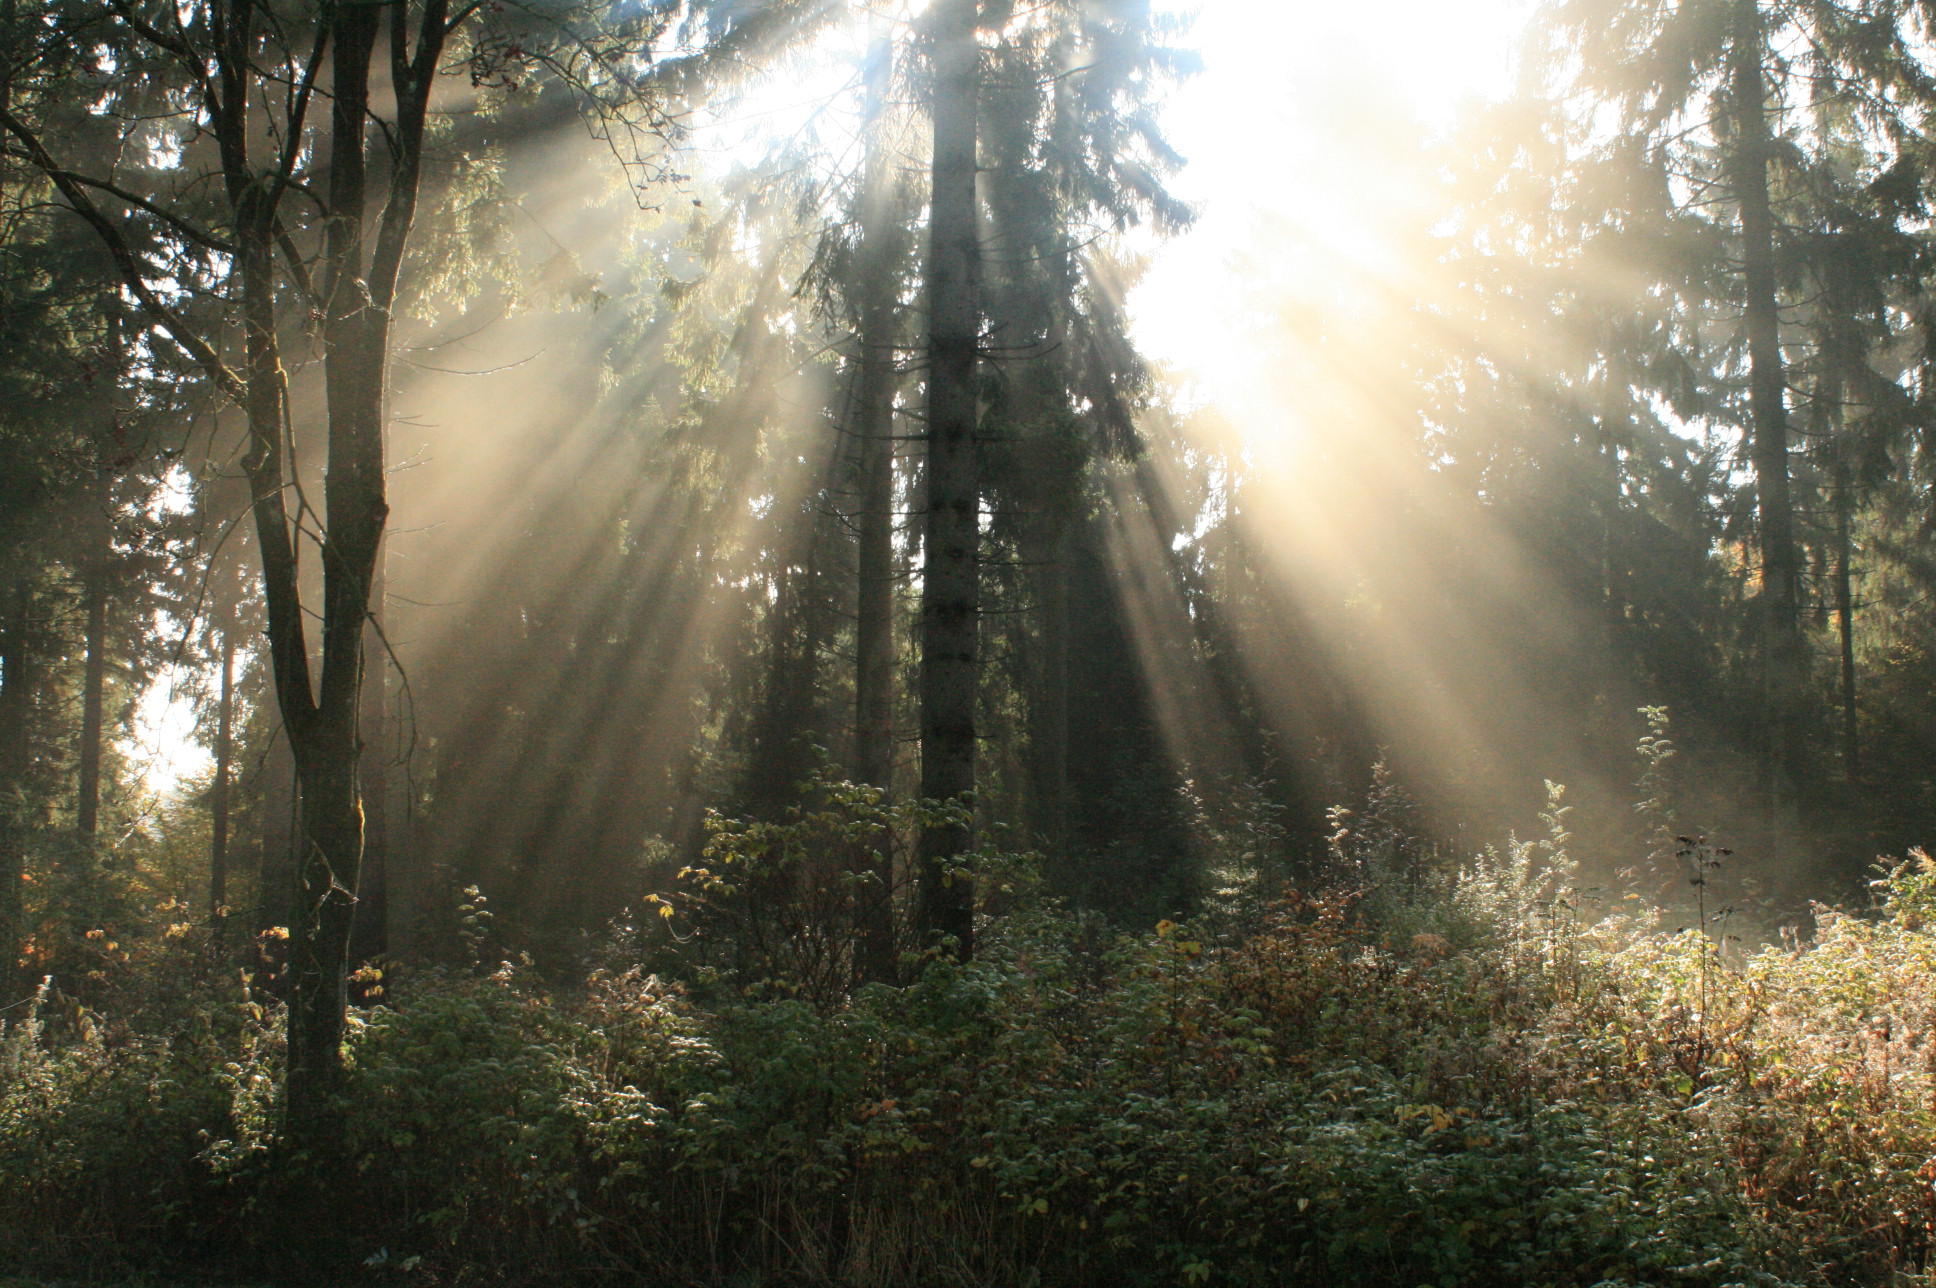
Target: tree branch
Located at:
point(124, 257)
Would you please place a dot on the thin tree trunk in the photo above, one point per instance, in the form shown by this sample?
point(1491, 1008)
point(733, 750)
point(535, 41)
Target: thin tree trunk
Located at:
point(874, 659)
point(16, 758)
point(1781, 643)
point(1053, 759)
point(1841, 352)
point(950, 577)
point(874, 631)
point(1845, 622)
point(218, 794)
point(373, 892)
point(87, 801)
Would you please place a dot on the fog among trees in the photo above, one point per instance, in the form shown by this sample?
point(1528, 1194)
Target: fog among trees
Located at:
point(746, 642)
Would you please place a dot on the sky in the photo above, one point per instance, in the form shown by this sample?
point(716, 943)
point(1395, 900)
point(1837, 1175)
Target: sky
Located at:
point(1268, 128)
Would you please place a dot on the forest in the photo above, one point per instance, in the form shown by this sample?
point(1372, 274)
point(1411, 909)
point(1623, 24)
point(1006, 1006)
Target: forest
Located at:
point(975, 643)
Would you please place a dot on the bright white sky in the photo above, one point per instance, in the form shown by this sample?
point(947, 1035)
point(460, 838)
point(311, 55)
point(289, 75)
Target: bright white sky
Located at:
point(1268, 128)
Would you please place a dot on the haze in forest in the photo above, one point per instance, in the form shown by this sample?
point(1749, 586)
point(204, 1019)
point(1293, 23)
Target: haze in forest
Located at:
point(968, 642)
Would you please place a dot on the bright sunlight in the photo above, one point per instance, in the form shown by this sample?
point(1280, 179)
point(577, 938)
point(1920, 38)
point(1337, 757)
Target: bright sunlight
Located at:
point(968, 644)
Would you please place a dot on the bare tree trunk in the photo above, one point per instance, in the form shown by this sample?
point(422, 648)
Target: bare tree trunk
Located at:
point(354, 295)
point(276, 852)
point(1748, 157)
point(16, 702)
point(873, 431)
point(87, 800)
point(874, 631)
point(1845, 623)
point(373, 902)
point(1053, 756)
point(951, 572)
point(359, 288)
point(218, 794)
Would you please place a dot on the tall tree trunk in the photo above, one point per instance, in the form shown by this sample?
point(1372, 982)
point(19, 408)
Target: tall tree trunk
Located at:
point(1052, 757)
point(1781, 643)
point(277, 839)
point(355, 295)
point(950, 576)
point(371, 937)
point(218, 794)
point(1841, 352)
point(1845, 622)
point(873, 432)
point(87, 800)
point(16, 759)
point(325, 729)
point(874, 629)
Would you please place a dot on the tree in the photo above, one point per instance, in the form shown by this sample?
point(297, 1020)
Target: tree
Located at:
point(1746, 98)
point(951, 537)
point(289, 228)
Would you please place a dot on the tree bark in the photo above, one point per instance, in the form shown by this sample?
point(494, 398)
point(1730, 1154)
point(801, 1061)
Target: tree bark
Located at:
point(1845, 623)
point(1781, 643)
point(87, 800)
point(16, 758)
point(277, 837)
point(951, 571)
point(878, 379)
point(359, 287)
point(374, 904)
point(222, 58)
point(1052, 757)
point(218, 793)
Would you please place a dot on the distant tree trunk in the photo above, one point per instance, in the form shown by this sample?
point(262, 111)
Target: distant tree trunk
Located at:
point(1845, 622)
point(87, 801)
point(1052, 759)
point(874, 630)
point(218, 792)
point(16, 702)
point(1781, 644)
point(1841, 353)
point(873, 433)
point(950, 575)
point(874, 641)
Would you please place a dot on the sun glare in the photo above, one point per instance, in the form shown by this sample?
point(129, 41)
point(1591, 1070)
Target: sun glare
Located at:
point(1288, 130)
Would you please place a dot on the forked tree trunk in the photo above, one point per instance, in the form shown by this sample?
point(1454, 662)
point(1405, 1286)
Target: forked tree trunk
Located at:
point(1781, 640)
point(950, 575)
point(321, 712)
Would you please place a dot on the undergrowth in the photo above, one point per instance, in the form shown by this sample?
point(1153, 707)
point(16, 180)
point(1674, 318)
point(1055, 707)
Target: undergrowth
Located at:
point(1472, 1077)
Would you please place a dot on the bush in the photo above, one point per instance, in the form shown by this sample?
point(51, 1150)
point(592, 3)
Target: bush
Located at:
point(1463, 1081)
